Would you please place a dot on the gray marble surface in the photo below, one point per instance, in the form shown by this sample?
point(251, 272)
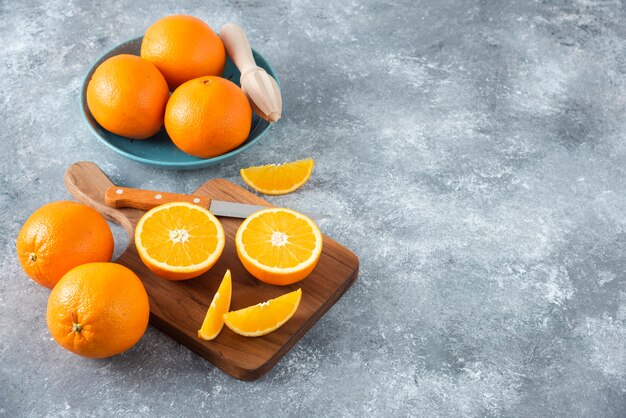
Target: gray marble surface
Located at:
point(472, 153)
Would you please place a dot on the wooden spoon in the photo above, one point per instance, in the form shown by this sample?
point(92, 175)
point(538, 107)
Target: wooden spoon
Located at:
point(260, 87)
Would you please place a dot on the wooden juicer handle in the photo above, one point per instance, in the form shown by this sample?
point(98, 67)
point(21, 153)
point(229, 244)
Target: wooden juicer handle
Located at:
point(238, 47)
point(261, 88)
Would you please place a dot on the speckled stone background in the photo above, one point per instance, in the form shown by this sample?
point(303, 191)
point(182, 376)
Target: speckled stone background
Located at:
point(472, 153)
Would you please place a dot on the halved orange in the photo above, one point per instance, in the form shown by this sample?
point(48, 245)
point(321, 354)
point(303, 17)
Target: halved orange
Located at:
point(214, 321)
point(263, 318)
point(278, 179)
point(179, 240)
point(279, 246)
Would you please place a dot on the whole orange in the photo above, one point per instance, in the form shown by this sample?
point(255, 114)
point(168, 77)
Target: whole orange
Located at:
point(98, 310)
point(127, 96)
point(60, 236)
point(183, 48)
point(208, 116)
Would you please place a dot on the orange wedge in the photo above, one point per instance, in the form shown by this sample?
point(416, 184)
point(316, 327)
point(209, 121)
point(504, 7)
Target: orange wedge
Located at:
point(214, 321)
point(178, 240)
point(278, 179)
point(263, 318)
point(279, 246)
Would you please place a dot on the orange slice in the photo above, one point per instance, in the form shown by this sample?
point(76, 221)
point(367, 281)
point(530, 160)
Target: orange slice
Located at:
point(278, 178)
point(178, 240)
point(263, 318)
point(214, 321)
point(279, 246)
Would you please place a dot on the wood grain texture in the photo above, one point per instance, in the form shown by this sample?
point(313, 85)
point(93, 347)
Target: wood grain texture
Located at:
point(178, 308)
point(260, 87)
point(126, 197)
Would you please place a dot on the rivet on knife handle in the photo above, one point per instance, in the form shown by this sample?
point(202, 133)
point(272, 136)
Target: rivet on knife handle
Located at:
point(124, 197)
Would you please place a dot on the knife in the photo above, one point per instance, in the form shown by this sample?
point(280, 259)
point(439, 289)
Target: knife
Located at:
point(125, 197)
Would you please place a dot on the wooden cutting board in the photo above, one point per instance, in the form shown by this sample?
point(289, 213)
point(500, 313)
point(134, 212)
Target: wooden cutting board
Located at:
point(178, 308)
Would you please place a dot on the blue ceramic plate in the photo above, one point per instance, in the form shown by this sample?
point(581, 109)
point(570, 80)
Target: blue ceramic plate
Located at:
point(159, 150)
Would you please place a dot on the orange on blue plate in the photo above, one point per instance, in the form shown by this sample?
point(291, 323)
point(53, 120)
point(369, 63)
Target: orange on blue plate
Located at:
point(159, 150)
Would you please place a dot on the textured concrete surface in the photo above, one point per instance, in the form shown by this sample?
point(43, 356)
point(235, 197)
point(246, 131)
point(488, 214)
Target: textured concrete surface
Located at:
point(472, 153)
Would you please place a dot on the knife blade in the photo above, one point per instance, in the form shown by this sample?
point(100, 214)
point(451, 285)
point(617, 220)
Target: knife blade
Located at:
point(233, 210)
point(125, 197)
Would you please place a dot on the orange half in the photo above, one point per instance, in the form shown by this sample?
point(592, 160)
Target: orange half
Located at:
point(279, 246)
point(214, 321)
point(275, 179)
point(179, 240)
point(263, 318)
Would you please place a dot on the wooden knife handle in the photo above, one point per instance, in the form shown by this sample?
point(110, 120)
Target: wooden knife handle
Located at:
point(238, 47)
point(124, 197)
